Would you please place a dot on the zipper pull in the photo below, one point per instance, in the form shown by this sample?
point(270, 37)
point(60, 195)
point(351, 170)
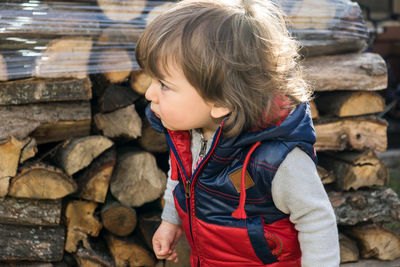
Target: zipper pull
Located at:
point(203, 147)
point(187, 189)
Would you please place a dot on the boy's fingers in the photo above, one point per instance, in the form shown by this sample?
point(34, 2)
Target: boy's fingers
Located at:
point(162, 250)
point(173, 257)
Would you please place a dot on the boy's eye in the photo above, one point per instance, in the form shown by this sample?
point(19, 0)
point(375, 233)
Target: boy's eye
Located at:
point(163, 86)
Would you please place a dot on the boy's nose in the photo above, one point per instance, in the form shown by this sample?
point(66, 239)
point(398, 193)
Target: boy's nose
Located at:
point(151, 92)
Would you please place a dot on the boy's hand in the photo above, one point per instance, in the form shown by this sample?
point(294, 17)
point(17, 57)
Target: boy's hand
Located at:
point(165, 239)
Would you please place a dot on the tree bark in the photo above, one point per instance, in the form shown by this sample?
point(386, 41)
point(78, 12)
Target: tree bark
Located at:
point(30, 212)
point(375, 205)
point(136, 178)
point(366, 71)
point(31, 243)
point(37, 90)
point(47, 119)
point(41, 182)
point(351, 133)
point(78, 153)
point(345, 104)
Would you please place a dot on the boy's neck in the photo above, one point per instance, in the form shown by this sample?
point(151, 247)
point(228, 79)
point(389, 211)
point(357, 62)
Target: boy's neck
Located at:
point(207, 133)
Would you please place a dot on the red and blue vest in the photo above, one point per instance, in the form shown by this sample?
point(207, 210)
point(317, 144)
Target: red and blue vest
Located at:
point(230, 224)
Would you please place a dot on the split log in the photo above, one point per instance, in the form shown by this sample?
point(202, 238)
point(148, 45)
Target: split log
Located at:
point(38, 90)
point(80, 222)
point(29, 149)
point(93, 257)
point(326, 176)
point(351, 133)
point(365, 71)
point(136, 178)
point(31, 243)
point(124, 10)
point(30, 212)
point(94, 182)
point(151, 140)
point(47, 122)
point(348, 249)
point(122, 123)
point(129, 251)
point(118, 219)
point(355, 169)
point(115, 64)
point(375, 241)
point(65, 57)
point(140, 81)
point(9, 158)
point(376, 205)
point(3, 69)
point(61, 130)
point(116, 97)
point(345, 104)
point(314, 110)
point(41, 181)
point(78, 153)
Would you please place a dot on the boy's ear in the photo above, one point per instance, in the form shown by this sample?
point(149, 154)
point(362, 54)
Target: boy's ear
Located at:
point(218, 112)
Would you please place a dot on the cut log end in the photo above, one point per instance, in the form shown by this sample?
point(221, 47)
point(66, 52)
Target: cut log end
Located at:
point(41, 182)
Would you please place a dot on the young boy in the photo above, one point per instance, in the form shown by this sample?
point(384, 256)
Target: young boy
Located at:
point(229, 95)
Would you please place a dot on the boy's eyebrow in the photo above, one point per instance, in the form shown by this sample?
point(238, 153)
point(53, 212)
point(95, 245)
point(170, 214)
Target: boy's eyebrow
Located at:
point(165, 81)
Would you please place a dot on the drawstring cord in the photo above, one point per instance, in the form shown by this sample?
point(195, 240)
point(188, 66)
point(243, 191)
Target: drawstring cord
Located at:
point(240, 213)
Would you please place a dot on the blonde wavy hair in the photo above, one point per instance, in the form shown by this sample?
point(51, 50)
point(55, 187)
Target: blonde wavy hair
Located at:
point(237, 54)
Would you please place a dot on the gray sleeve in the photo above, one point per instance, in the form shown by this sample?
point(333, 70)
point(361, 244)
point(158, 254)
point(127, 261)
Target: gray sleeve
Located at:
point(169, 213)
point(297, 190)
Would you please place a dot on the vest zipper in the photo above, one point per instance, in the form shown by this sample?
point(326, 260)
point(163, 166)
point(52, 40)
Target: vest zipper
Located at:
point(187, 189)
point(203, 147)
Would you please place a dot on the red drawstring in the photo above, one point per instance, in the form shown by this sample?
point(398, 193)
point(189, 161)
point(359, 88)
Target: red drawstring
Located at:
point(240, 213)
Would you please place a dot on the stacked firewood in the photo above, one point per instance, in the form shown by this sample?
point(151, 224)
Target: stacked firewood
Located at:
point(82, 172)
point(349, 135)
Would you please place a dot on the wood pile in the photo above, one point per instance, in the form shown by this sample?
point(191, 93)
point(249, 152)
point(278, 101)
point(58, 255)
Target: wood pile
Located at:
point(350, 133)
point(82, 172)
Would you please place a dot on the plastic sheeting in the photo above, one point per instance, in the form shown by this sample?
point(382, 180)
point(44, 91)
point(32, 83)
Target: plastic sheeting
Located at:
point(55, 38)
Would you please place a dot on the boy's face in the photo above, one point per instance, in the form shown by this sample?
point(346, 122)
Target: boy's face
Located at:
point(179, 105)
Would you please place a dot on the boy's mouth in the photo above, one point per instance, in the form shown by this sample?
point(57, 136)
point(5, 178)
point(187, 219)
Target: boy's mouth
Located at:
point(155, 113)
